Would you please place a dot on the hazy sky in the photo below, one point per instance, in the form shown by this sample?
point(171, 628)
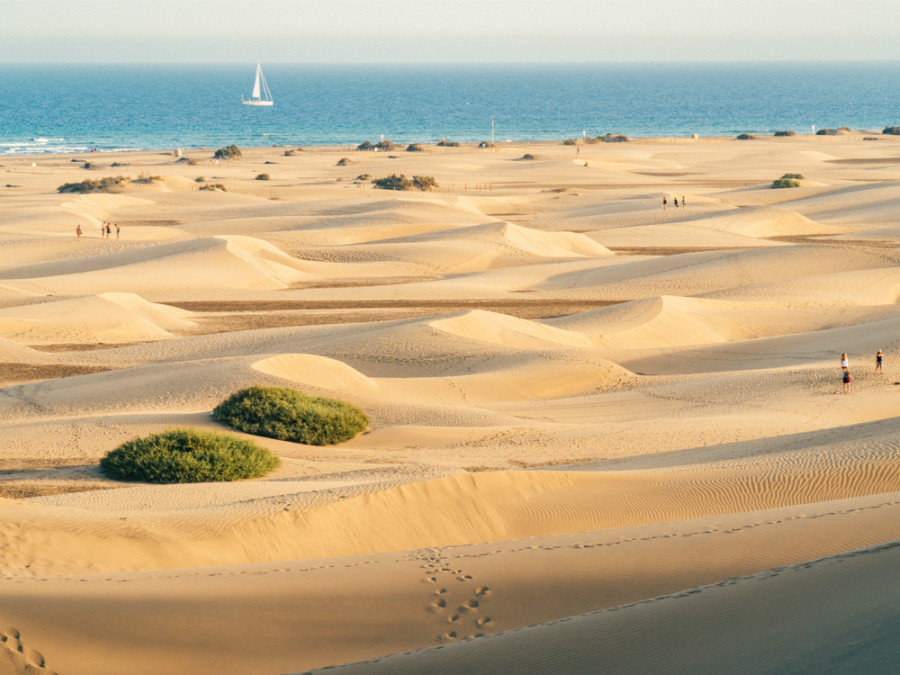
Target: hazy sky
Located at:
point(310, 31)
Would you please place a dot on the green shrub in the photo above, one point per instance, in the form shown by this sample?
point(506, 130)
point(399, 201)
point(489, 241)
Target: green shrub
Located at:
point(343, 161)
point(213, 187)
point(570, 141)
point(528, 156)
point(485, 144)
point(188, 456)
point(785, 133)
point(365, 145)
point(893, 131)
point(795, 176)
point(385, 145)
point(99, 185)
point(228, 152)
point(827, 132)
point(289, 415)
point(263, 176)
point(613, 138)
point(88, 165)
point(447, 144)
point(745, 137)
point(401, 182)
point(364, 176)
point(200, 179)
point(785, 183)
point(414, 147)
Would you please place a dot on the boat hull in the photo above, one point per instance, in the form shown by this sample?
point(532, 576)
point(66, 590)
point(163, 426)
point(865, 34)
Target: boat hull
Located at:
point(257, 102)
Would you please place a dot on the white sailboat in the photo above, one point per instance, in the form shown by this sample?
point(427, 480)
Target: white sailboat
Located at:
point(261, 94)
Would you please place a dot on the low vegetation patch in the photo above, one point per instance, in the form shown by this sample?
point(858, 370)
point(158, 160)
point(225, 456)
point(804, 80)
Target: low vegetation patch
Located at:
point(401, 182)
point(343, 161)
point(794, 176)
point(745, 137)
point(365, 145)
point(528, 156)
point(213, 187)
point(785, 133)
point(486, 144)
point(827, 132)
point(290, 415)
point(447, 144)
point(385, 145)
point(414, 147)
point(891, 131)
point(785, 182)
point(89, 165)
point(613, 138)
point(98, 185)
point(188, 456)
point(228, 152)
point(570, 141)
point(364, 176)
point(263, 176)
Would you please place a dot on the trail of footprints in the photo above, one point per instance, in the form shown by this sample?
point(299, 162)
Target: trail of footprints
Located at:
point(25, 659)
point(457, 602)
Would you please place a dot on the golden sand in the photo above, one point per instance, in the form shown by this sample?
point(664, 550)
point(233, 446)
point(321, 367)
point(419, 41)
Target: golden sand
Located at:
point(604, 434)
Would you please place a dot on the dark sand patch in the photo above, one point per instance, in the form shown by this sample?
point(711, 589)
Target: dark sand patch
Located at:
point(26, 372)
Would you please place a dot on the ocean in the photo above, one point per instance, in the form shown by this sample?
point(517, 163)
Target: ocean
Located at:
point(72, 108)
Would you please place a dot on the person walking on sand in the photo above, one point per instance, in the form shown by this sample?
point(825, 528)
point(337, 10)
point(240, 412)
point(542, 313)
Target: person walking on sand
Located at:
point(879, 361)
point(78, 231)
point(118, 229)
point(108, 230)
point(676, 202)
point(664, 203)
point(847, 379)
point(845, 363)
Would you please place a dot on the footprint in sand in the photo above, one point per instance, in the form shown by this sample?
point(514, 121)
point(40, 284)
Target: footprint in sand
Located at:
point(23, 658)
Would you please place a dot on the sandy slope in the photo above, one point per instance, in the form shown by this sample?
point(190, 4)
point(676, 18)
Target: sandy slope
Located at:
point(603, 433)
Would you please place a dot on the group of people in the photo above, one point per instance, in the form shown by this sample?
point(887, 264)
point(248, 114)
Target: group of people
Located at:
point(845, 368)
point(666, 202)
point(105, 231)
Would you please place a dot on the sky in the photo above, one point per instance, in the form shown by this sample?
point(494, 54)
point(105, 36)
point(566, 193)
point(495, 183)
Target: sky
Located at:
point(446, 31)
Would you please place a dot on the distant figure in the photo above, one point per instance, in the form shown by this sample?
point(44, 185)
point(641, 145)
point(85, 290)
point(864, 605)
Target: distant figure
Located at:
point(847, 379)
point(676, 202)
point(845, 364)
point(118, 229)
point(682, 201)
point(108, 230)
point(879, 361)
point(78, 233)
point(665, 201)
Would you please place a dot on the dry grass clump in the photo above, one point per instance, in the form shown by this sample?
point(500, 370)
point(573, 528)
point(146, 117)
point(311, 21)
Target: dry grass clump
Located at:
point(447, 144)
point(98, 185)
point(228, 152)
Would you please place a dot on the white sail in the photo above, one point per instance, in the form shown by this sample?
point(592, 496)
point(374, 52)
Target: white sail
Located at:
point(255, 93)
point(261, 94)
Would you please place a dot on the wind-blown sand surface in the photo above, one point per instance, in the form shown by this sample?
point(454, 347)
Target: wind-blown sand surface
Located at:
point(604, 436)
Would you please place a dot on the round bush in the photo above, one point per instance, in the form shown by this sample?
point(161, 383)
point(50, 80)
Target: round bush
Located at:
point(289, 415)
point(188, 456)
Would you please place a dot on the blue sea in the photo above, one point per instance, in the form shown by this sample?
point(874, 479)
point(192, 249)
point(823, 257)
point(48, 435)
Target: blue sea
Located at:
point(72, 108)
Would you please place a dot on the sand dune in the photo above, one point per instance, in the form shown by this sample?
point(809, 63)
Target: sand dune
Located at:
point(108, 317)
point(603, 434)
